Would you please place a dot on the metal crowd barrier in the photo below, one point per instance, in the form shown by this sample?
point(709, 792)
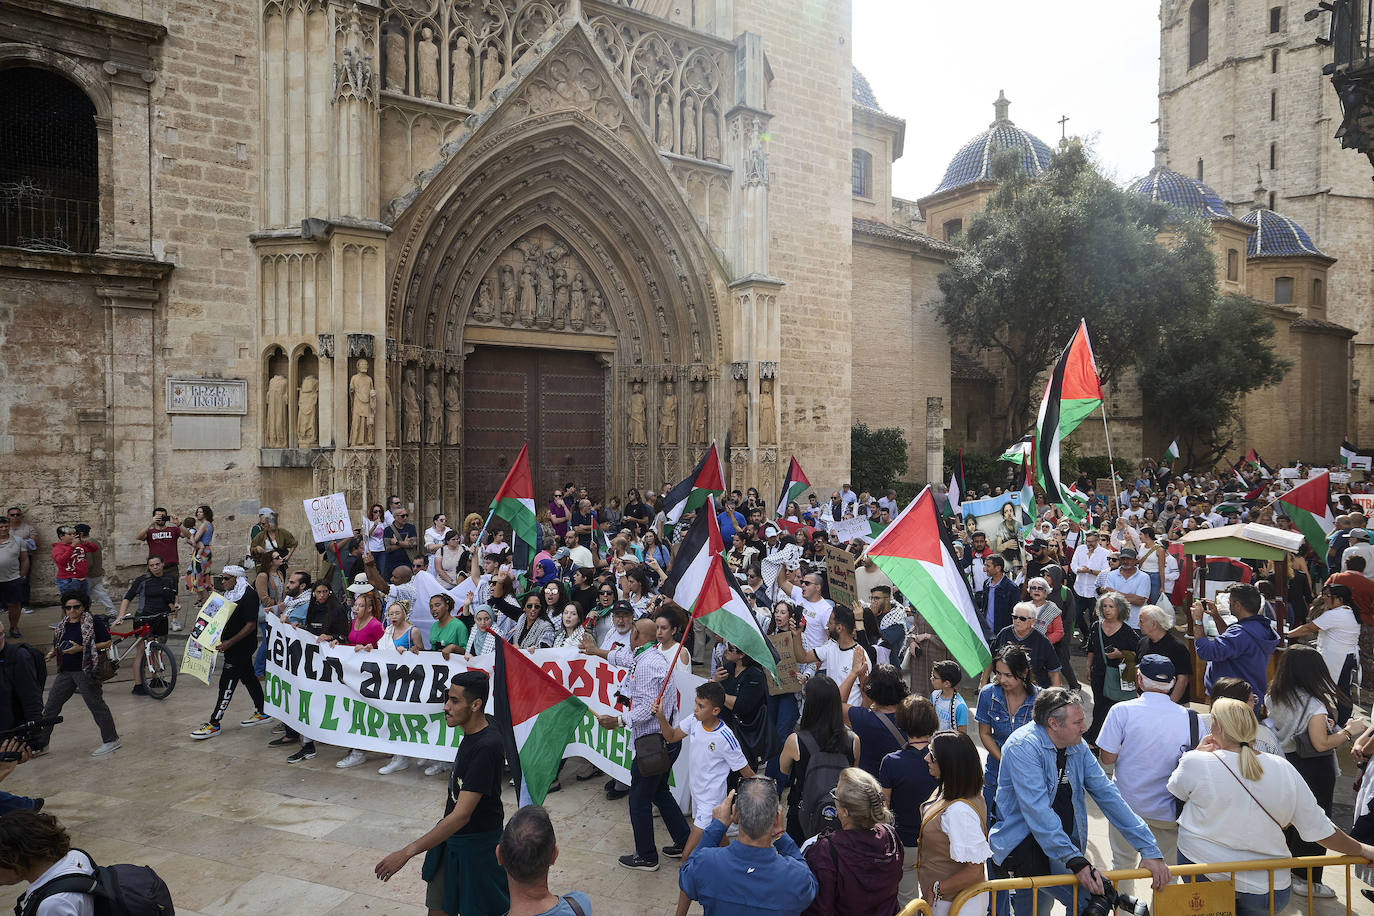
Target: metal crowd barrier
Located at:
point(918, 907)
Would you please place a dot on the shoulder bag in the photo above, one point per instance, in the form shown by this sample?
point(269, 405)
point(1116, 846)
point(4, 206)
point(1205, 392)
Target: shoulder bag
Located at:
point(1113, 686)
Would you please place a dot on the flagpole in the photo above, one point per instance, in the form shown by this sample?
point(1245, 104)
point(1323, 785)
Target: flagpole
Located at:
point(1111, 463)
point(672, 669)
point(483, 532)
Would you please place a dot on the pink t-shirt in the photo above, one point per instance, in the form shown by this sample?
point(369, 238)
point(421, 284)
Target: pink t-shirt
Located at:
point(369, 635)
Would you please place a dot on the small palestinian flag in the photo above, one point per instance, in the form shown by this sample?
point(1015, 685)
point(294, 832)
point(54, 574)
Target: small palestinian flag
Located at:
point(1171, 453)
point(1253, 457)
point(537, 717)
point(707, 479)
point(957, 488)
point(915, 553)
point(700, 582)
point(1027, 499)
point(1309, 506)
point(1352, 459)
point(514, 503)
point(1072, 394)
point(793, 486)
point(1017, 450)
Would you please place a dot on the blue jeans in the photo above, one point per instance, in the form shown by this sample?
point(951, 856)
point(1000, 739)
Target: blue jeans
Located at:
point(1246, 904)
point(10, 803)
point(1154, 587)
point(645, 793)
point(67, 586)
point(260, 656)
point(783, 710)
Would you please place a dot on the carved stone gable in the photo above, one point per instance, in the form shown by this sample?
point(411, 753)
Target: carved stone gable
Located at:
point(571, 80)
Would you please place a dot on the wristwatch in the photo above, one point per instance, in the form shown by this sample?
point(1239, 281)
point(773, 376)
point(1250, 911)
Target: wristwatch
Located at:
point(935, 890)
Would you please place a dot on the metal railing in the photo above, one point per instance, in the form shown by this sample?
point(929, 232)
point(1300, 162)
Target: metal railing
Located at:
point(46, 223)
point(919, 906)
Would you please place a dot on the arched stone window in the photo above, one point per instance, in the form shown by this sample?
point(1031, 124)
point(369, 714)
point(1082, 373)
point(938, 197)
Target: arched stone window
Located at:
point(1283, 290)
point(1232, 264)
point(1198, 18)
point(861, 173)
point(952, 228)
point(49, 164)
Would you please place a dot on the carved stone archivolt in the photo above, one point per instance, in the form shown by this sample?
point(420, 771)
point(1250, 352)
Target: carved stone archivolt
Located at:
point(539, 283)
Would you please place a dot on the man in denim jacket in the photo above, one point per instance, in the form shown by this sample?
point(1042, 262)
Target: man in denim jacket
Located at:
point(1044, 817)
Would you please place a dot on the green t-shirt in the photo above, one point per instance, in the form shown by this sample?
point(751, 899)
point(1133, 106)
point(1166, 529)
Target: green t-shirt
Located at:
point(453, 633)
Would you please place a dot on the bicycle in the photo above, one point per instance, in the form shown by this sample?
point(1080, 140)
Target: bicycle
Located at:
point(157, 666)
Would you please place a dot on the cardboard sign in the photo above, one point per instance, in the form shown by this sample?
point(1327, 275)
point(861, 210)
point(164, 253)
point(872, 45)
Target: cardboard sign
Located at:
point(198, 659)
point(787, 667)
point(1202, 898)
point(839, 565)
point(328, 517)
point(1340, 477)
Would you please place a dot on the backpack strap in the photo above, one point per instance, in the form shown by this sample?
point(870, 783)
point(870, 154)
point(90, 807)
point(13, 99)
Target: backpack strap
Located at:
point(892, 729)
point(573, 904)
point(71, 883)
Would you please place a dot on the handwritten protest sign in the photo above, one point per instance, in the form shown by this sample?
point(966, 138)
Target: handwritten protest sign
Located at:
point(847, 529)
point(786, 681)
point(839, 567)
point(390, 703)
point(198, 660)
point(328, 517)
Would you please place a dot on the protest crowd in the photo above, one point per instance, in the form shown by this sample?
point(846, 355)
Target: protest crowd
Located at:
point(851, 765)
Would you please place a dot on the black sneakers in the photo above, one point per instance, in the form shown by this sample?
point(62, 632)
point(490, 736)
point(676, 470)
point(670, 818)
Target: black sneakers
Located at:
point(672, 852)
point(305, 753)
point(635, 863)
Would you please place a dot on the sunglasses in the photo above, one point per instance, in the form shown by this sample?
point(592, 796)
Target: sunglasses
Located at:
point(606, 591)
point(1021, 617)
point(533, 605)
point(1038, 588)
point(73, 607)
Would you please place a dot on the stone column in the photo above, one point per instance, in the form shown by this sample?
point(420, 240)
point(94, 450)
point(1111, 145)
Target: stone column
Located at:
point(935, 439)
point(132, 418)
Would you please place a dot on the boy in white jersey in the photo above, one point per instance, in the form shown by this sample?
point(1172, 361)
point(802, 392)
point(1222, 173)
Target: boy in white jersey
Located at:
point(716, 753)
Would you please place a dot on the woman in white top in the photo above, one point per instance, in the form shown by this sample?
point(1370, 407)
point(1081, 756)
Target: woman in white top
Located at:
point(371, 530)
point(1238, 804)
point(38, 850)
point(449, 559)
point(436, 534)
point(1338, 636)
point(401, 636)
point(953, 841)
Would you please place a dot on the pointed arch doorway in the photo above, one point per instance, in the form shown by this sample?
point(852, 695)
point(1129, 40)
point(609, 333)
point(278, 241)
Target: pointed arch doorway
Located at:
point(554, 399)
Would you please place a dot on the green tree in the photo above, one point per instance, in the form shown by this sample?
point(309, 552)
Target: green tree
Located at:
point(1048, 251)
point(877, 457)
point(1197, 379)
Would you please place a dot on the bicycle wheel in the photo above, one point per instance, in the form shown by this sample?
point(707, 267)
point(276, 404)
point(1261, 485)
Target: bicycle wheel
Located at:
point(157, 668)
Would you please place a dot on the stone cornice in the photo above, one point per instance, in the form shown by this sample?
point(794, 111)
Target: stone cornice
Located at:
point(111, 267)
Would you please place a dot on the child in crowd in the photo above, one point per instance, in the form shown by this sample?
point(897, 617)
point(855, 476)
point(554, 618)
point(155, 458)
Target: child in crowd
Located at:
point(716, 753)
point(949, 706)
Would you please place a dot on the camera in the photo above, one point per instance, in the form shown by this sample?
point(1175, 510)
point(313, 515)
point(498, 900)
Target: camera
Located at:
point(29, 734)
point(1109, 902)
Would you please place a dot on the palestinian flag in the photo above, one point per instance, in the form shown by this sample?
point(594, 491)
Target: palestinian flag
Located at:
point(1252, 457)
point(700, 582)
point(957, 487)
point(1352, 459)
point(1027, 497)
point(1017, 450)
point(793, 486)
point(1074, 503)
point(514, 503)
point(537, 717)
point(1072, 394)
point(916, 555)
point(706, 479)
point(1171, 453)
point(1309, 506)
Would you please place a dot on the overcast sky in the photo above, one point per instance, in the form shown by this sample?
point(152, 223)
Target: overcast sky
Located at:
point(940, 65)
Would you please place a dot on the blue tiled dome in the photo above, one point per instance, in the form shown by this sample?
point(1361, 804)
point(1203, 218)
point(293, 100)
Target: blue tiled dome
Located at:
point(1277, 236)
point(973, 161)
point(1166, 185)
point(863, 92)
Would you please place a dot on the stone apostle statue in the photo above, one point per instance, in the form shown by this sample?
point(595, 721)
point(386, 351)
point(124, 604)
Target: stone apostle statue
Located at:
point(362, 406)
point(307, 413)
point(276, 412)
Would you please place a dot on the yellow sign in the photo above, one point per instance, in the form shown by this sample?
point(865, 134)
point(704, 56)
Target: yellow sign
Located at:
point(1202, 898)
point(199, 658)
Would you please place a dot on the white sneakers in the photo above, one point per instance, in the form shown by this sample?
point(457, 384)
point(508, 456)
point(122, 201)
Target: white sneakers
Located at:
point(109, 747)
point(397, 764)
point(351, 759)
point(1320, 891)
point(434, 769)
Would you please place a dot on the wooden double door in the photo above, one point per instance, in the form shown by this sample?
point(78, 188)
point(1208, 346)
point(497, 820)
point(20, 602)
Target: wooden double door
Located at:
point(554, 399)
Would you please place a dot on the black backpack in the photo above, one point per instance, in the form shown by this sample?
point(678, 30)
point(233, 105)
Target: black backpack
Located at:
point(119, 890)
point(823, 769)
point(39, 663)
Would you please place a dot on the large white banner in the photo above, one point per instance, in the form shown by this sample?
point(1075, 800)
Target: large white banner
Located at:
point(392, 703)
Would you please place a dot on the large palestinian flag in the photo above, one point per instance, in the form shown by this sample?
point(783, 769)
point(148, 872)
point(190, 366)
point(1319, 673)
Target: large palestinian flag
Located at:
point(701, 583)
point(537, 717)
point(514, 502)
point(793, 486)
point(707, 479)
point(1072, 394)
point(1309, 506)
point(917, 557)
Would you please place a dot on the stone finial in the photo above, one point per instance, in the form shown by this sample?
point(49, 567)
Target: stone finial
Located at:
point(1261, 192)
point(1000, 108)
point(1161, 153)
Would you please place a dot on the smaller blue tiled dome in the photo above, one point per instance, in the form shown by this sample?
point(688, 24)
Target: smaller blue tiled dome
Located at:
point(863, 92)
point(973, 161)
point(1186, 193)
point(1277, 236)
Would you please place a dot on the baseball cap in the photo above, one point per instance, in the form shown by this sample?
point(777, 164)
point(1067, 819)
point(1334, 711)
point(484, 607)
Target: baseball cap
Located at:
point(360, 585)
point(561, 553)
point(1129, 553)
point(1156, 668)
point(1360, 533)
point(623, 607)
point(265, 511)
point(1038, 542)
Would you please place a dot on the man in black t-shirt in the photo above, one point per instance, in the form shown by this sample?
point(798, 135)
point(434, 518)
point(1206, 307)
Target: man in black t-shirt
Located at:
point(237, 641)
point(460, 851)
point(1044, 662)
point(156, 594)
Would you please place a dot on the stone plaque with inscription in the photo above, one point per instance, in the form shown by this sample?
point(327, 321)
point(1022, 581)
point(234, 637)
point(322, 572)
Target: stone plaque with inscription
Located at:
point(224, 396)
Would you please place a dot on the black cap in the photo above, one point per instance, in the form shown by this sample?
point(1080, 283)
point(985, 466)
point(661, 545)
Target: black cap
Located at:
point(623, 607)
point(83, 529)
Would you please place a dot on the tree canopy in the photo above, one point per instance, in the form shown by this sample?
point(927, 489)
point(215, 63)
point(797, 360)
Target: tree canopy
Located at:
point(1069, 244)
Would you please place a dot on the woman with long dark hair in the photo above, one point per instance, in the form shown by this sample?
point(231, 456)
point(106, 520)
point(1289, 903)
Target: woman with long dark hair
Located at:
point(822, 728)
point(1004, 705)
point(1302, 702)
point(784, 706)
point(746, 705)
point(954, 824)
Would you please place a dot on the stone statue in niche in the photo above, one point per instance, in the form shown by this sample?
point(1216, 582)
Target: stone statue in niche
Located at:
point(596, 311)
point(507, 295)
point(461, 91)
point(639, 416)
point(689, 126)
point(275, 434)
point(667, 416)
point(486, 309)
point(307, 413)
point(697, 422)
point(577, 303)
point(637, 350)
point(453, 410)
point(768, 434)
point(560, 298)
point(665, 122)
point(710, 134)
point(362, 395)
point(525, 313)
point(543, 297)
point(739, 415)
point(491, 69)
point(395, 60)
point(434, 413)
point(696, 346)
point(427, 64)
point(410, 404)
point(390, 414)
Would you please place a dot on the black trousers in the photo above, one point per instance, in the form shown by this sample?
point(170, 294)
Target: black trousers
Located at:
point(1320, 775)
point(236, 671)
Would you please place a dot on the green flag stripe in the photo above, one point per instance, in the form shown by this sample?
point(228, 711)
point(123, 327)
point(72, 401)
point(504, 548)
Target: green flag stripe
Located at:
point(544, 739)
point(742, 634)
point(929, 598)
point(1310, 527)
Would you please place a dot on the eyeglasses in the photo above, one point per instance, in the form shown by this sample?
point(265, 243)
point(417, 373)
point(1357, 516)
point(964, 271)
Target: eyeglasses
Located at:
point(606, 591)
point(533, 605)
point(1021, 617)
point(74, 607)
point(1038, 588)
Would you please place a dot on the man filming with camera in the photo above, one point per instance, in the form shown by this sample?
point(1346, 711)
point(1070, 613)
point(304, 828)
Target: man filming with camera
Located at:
point(21, 702)
point(1043, 825)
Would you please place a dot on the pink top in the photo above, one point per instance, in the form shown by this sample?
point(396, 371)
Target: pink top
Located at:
point(368, 635)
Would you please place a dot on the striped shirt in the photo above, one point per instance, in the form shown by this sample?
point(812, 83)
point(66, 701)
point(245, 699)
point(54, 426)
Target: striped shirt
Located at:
point(648, 671)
